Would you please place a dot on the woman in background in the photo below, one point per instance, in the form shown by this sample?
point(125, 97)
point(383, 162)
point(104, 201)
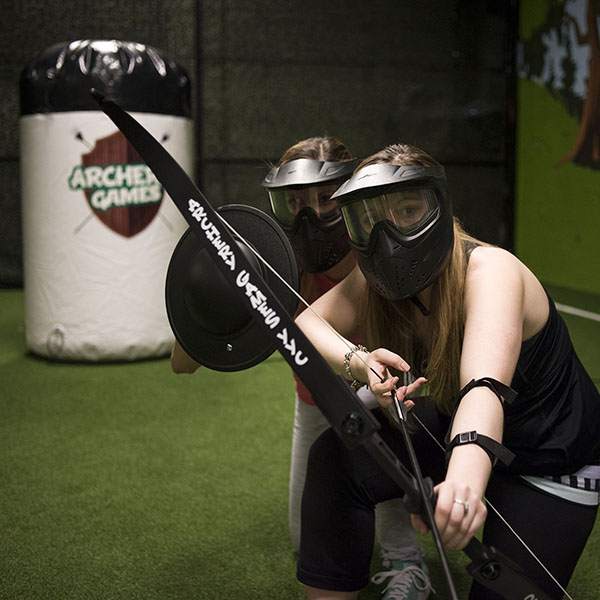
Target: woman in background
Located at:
point(300, 188)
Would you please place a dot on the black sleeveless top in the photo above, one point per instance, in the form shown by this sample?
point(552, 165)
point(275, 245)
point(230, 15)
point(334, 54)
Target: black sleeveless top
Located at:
point(553, 426)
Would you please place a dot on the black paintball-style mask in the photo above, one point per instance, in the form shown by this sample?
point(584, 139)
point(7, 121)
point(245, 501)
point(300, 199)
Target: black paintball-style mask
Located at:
point(300, 193)
point(399, 220)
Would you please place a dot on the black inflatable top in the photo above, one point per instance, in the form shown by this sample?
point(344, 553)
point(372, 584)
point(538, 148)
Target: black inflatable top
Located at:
point(136, 76)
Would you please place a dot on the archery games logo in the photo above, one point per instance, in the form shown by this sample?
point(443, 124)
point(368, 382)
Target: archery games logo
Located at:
point(120, 188)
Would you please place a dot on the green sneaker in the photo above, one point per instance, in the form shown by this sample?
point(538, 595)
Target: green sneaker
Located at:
point(407, 580)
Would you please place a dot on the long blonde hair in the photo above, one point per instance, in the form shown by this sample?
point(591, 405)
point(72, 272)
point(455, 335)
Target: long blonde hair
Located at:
point(436, 355)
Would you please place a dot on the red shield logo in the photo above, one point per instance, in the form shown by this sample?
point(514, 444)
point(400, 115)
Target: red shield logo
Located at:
point(120, 188)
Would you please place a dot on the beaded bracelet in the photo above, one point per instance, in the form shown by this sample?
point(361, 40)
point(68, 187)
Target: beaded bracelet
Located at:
point(356, 384)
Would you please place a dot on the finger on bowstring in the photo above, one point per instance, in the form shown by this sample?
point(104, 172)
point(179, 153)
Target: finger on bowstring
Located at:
point(386, 386)
point(385, 399)
point(401, 393)
point(415, 385)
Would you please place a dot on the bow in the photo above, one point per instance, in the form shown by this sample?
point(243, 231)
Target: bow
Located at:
point(338, 403)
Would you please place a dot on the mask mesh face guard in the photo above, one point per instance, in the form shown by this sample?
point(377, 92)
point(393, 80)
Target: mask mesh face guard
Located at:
point(409, 210)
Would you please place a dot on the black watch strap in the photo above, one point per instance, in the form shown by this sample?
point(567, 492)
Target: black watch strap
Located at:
point(493, 449)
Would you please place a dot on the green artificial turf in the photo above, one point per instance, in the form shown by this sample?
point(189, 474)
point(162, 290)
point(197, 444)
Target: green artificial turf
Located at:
point(125, 481)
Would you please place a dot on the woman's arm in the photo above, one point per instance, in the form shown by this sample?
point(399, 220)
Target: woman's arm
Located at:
point(502, 301)
point(339, 307)
point(181, 361)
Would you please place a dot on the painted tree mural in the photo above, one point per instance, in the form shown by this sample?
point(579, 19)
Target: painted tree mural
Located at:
point(563, 54)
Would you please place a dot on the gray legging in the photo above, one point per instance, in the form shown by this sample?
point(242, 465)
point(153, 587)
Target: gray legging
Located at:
point(394, 530)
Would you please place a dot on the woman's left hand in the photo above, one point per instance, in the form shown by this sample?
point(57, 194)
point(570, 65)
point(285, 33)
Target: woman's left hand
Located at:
point(459, 513)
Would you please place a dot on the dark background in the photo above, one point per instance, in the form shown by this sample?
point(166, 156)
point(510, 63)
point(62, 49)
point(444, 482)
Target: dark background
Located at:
point(266, 73)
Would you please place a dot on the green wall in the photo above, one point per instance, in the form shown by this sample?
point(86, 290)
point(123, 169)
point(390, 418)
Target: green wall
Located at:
point(557, 206)
point(557, 229)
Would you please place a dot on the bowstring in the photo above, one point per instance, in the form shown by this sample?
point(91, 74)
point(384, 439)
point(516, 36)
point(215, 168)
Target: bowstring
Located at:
point(381, 379)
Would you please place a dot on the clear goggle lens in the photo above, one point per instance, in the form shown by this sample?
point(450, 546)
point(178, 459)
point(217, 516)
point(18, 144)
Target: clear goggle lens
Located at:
point(407, 209)
point(287, 202)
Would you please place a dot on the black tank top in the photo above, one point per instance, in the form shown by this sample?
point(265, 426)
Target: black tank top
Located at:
point(553, 426)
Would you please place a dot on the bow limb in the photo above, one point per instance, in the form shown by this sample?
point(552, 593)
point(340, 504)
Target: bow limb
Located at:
point(246, 282)
point(338, 403)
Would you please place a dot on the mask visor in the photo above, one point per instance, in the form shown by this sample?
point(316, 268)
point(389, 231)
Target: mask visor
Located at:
point(286, 203)
point(408, 209)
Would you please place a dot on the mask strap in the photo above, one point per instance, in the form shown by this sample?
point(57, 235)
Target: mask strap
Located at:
point(415, 300)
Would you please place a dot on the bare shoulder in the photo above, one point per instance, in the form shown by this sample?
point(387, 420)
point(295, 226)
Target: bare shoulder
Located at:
point(493, 270)
point(493, 274)
point(490, 257)
point(499, 263)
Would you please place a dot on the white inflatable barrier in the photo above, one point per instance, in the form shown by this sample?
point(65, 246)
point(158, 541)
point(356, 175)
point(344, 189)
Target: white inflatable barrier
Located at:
point(98, 233)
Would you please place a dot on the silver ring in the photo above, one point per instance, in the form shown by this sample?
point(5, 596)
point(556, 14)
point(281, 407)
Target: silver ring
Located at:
point(465, 505)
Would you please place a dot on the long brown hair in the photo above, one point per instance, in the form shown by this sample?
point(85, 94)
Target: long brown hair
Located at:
point(436, 352)
point(317, 148)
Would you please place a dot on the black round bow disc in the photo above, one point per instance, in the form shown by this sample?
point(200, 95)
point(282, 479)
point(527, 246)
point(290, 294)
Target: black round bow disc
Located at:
point(208, 318)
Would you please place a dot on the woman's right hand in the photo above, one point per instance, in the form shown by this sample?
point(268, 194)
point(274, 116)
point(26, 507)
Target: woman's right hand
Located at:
point(459, 513)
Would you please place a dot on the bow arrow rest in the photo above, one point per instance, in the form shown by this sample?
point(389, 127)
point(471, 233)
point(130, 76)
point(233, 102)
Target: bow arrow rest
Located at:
point(334, 397)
